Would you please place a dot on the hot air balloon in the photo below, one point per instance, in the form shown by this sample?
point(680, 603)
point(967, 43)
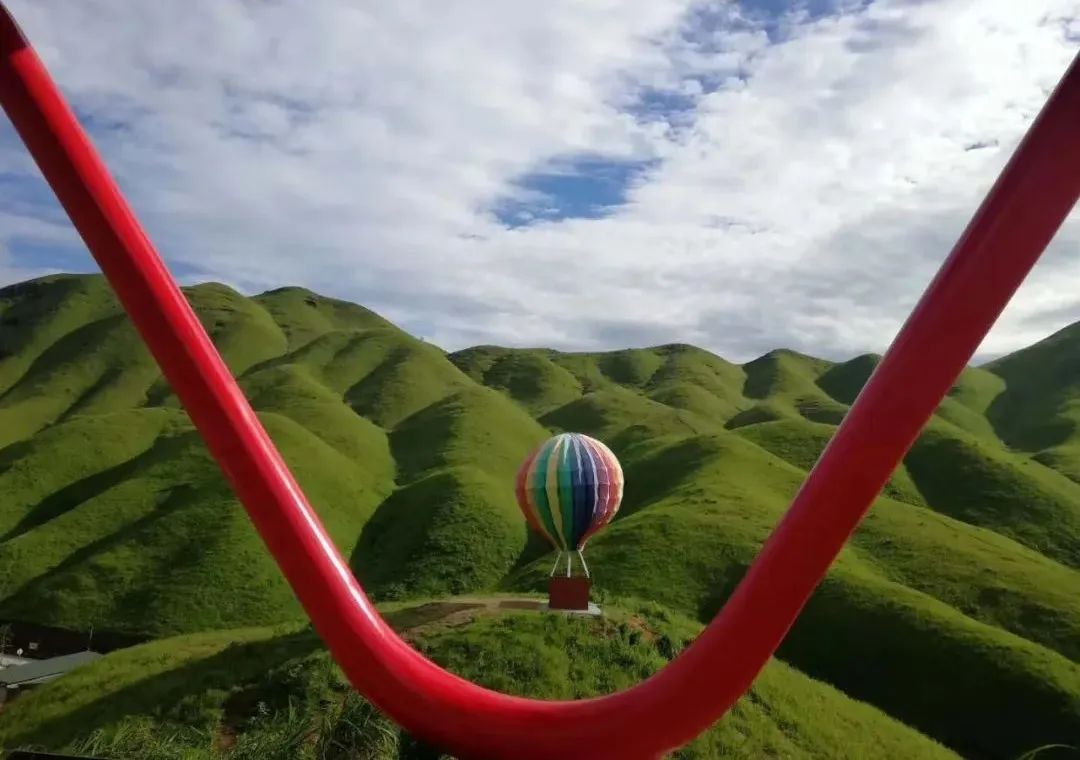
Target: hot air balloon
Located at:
point(569, 488)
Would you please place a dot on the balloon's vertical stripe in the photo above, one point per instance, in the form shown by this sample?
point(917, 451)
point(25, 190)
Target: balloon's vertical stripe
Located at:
point(526, 498)
point(615, 476)
point(551, 488)
point(598, 491)
point(567, 466)
point(603, 486)
point(609, 492)
point(537, 485)
point(589, 482)
point(584, 478)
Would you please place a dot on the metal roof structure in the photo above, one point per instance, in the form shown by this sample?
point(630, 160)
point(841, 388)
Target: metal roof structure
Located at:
point(10, 660)
point(38, 671)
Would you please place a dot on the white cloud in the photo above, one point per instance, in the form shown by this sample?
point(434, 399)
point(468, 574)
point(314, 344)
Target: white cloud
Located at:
point(354, 148)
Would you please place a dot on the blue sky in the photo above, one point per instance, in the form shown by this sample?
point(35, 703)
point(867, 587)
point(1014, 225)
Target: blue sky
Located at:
point(590, 186)
point(582, 175)
point(581, 188)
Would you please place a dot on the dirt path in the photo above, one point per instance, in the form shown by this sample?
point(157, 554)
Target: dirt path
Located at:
point(425, 618)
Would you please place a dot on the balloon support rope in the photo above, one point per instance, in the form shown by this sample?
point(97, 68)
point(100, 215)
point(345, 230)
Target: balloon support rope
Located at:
point(583, 565)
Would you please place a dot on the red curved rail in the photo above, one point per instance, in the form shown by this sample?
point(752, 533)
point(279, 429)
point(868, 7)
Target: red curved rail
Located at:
point(1008, 233)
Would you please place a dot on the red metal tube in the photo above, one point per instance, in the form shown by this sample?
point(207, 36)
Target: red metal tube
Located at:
point(1008, 233)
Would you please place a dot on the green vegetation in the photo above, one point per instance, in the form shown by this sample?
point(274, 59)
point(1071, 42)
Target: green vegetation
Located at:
point(953, 608)
point(275, 693)
point(1039, 406)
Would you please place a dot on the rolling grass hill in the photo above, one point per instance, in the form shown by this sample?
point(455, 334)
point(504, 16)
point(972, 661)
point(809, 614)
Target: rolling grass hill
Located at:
point(953, 609)
point(282, 697)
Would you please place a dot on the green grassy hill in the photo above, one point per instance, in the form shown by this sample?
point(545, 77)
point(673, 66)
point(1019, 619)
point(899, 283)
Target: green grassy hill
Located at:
point(953, 609)
point(282, 697)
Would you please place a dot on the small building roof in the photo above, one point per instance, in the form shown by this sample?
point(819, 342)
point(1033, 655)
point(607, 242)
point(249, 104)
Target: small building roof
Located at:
point(42, 670)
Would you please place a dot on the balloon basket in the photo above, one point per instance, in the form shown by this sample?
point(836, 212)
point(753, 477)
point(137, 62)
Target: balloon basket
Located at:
point(570, 592)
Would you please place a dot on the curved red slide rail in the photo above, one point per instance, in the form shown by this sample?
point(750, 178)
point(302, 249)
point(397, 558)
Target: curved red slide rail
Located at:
point(1023, 210)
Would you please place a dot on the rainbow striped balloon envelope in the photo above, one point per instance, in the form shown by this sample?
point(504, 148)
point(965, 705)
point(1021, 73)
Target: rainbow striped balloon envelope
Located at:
point(569, 487)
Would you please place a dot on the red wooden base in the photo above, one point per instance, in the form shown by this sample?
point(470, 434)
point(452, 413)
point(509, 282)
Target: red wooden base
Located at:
point(568, 593)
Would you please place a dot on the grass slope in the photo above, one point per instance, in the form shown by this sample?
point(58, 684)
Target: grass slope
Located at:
point(986, 485)
point(126, 548)
point(1040, 404)
point(1008, 608)
point(274, 693)
point(961, 580)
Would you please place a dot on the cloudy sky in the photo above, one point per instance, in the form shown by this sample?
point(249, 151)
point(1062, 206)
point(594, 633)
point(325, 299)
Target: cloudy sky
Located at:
point(574, 173)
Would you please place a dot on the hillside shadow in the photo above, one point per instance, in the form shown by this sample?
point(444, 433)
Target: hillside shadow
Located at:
point(12, 453)
point(411, 440)
point(720, 590)
point(844, 382)
point(297, 353)
point(365, 394)
point(762, 375)
point(30, 594)
point(763, 412)
point(652, 478)
point(36, 304)
point(238, 665)
point(535, 548)
point(1024, 424)
point(402, 520)
point(110, 375)
point(67, 498)
point(961, 689)
point(68, 346)
point(252, 677)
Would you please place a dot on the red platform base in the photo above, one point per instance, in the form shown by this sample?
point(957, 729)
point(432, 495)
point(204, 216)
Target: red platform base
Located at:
point(568, 593)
